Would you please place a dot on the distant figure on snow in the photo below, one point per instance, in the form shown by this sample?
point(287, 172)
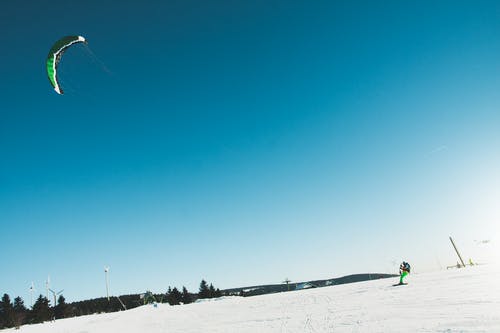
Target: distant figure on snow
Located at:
point(404, 270)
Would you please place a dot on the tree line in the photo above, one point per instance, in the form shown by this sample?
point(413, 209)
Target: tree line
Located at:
point(15, 314)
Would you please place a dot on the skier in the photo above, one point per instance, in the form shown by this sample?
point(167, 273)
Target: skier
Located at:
point(404, 270)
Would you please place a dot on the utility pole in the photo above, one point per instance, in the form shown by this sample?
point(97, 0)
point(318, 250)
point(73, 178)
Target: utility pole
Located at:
point(456, 250)
point(287, 281)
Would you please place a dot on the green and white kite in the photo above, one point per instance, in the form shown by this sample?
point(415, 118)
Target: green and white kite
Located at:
point(55, 55)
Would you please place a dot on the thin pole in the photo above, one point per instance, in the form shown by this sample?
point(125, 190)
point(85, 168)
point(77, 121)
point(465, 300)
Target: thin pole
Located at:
point(287, 281)
point(456, 250)
point(47, 286)
point(106, 270)
point(31, 293)
point(123, 305)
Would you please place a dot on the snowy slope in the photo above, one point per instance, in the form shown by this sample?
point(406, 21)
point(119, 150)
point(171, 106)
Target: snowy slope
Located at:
point(465, 300)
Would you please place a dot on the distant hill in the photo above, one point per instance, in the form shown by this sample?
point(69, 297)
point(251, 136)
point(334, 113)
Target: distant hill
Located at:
point(277, 288)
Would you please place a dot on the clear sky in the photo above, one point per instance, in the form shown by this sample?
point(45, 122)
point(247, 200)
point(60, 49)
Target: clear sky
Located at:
point(244, 142)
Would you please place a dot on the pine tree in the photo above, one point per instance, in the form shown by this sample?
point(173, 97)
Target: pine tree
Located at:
point(168, 295)
point(186, 298)
point(177, 296)
point(6, 312)
point(62, 309)
point(211, 291)
point(204, 291)
point(41, 311)
point(20, 312)
point(174, 297)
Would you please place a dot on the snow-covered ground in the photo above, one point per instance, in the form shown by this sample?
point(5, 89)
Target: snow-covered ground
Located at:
point(458, 300)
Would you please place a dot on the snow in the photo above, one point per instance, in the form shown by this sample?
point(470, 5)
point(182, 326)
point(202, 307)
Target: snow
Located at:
point(456, 300)
point(250, 289)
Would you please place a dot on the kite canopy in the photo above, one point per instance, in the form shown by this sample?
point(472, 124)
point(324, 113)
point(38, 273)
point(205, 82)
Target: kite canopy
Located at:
point(55, 55)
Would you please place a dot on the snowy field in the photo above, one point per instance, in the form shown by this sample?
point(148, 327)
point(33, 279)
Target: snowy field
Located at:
point(464, 300)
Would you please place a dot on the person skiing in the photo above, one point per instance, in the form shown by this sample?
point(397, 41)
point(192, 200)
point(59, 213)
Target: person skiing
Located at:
point(404, 270)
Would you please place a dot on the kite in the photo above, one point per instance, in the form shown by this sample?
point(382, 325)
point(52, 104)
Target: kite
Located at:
point(55, 55)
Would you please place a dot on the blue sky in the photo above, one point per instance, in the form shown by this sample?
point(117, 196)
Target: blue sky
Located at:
point(244, 143)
